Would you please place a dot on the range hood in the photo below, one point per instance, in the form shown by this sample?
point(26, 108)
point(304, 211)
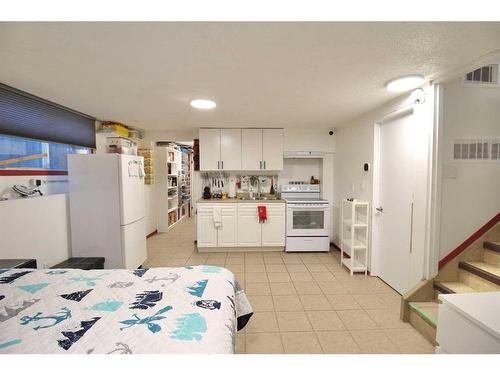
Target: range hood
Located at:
point(303, 154)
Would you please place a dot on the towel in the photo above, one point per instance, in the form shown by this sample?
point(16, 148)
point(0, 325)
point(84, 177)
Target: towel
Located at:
point(217, 216)
point(262, 213)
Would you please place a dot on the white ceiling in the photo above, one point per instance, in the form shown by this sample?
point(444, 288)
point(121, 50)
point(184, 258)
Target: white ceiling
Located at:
point(260, 74)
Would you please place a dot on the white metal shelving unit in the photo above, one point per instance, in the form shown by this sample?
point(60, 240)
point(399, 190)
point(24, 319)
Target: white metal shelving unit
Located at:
point(354, 236)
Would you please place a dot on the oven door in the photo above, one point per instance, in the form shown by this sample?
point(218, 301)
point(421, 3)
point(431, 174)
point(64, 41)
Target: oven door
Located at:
point(308, 220)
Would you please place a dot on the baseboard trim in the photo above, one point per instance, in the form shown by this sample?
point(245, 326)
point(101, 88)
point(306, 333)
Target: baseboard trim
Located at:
point(152, 233)
point(239, 249)
point(339, 249)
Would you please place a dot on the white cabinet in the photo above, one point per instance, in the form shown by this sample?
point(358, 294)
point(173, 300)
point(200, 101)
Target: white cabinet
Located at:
point(227, 233)
point(241, 149)
point(210, 142)
point(206, 231)
point(220, 149)
point(230, 149)
point(240, 225)
point(272, 149)
point(468, 323)
point(273, 230)
point(252, 233)
point(210, 236)
point(249, 228)
point(251, 149)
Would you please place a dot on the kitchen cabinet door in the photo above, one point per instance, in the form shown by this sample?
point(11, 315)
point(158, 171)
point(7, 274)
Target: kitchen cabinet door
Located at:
point(272, 149)
point(209, 149)
point(227, 234)
point(249, 228)
point(251, 149)
point(230, 149)
point(206, 231)
point(273, 230)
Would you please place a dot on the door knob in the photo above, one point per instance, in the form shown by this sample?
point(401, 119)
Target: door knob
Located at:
point(380, 209)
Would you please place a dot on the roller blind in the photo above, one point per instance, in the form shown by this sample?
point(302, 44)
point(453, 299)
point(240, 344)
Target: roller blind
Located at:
point(27, 116)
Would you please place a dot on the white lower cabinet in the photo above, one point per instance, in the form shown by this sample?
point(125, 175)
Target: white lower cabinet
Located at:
point(210, 236)
point(240, 225)
point(227, 234)
point(249, 228)
point(273, 230)
point(206, 231)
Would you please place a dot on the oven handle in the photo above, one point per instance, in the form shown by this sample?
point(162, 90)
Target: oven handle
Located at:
point(318, 207)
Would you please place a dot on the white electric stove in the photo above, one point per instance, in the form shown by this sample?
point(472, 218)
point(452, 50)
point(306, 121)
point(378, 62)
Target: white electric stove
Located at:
point(307, 218)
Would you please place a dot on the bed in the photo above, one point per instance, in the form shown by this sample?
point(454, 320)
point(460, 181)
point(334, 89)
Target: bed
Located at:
point(191, 309)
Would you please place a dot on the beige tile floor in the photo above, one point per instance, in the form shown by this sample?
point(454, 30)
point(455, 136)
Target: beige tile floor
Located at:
point(303, 302)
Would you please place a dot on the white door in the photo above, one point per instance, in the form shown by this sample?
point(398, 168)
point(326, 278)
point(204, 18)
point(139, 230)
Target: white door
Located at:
point(209, 149)
point(227, 234)
point(272, 149)
point(249, 228)
point(273, 230)
point(230, 149)
point(251, 149)
point(133, 238)
point(132, 203)
point(393, 208)
point(205, 229)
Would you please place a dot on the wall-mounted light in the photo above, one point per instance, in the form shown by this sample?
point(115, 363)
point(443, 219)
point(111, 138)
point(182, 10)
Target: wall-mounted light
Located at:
point(405, 83)
point(203, 104)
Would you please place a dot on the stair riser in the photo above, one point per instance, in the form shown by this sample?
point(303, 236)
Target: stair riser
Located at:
point(422, 326)
point(493, 246)
point(491, 257)
point(476, 282)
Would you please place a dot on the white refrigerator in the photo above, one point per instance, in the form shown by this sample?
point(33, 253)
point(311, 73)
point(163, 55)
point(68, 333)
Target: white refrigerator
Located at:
point(107, 208)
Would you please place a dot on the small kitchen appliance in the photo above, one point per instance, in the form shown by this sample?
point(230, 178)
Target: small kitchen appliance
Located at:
point(232, 187)
point(307, 218)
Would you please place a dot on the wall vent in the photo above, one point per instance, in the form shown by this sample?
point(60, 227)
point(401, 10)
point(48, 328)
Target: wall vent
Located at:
point(495, 149)
point(480, 149)
point(487, 75)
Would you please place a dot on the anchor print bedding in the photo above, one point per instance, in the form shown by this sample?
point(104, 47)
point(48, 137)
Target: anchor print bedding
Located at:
point(192, 309)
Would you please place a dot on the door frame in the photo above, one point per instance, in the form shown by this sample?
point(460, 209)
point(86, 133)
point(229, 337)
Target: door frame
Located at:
point(432, 204)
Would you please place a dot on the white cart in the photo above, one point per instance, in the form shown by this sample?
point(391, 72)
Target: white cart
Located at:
point(354, 236)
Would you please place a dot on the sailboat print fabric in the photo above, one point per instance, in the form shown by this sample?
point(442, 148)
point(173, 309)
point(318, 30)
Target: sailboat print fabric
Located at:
point(192, 309)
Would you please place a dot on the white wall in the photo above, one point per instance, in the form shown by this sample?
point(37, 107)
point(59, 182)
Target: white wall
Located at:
point(471, 198)
point(35, 228)
point(355, 146)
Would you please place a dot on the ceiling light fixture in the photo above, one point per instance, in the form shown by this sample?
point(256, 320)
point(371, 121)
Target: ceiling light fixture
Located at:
point(405, 83)
point(203, 104)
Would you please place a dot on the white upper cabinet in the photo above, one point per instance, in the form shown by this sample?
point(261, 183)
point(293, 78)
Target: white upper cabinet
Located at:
point(210, 142)
point(230, 149)
point(241, 149)
point(272, 149)
point(251, 149)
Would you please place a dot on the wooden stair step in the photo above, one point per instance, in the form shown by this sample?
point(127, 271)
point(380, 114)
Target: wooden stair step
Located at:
point(448, 287)
point(484, 270)
point(492, 245)
point(427, 310)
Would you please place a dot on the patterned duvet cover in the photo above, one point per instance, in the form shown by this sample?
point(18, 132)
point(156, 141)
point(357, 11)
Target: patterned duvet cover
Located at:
point(192, 309)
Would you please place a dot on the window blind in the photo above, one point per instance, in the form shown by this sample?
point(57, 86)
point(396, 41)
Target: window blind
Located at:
point(27, 116)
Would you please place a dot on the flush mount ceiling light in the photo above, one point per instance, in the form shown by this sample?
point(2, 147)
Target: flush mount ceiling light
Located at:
point(405, 83)
point(203, 104)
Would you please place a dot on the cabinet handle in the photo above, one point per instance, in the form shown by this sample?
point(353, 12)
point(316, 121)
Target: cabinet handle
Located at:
point(222, 164)
point(260, 164)
point(218, 164)
point(264, 164)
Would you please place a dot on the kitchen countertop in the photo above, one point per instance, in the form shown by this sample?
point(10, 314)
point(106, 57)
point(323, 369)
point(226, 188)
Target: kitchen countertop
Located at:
point(237, 200)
